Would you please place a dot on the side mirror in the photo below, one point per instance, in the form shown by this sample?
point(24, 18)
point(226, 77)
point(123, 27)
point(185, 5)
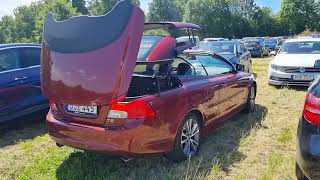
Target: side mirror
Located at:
point(240, 67)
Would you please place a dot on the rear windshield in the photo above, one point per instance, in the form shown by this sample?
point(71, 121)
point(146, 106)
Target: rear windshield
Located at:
point(218, 47)
point(147, 45)
point(250, 44)
point(306, 47)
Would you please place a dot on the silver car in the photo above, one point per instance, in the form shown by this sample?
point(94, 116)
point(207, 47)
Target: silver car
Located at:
point(297, 63)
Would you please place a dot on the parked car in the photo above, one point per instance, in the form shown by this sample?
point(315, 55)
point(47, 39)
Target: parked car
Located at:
point(187, 39)
point(120, 106)
point(278, 46)
point(155, 47)
point(308, 135)
point(271, 43)
point(20, 90)
point(214, 39)
point(297, 63)
point(234, 51)
point(257, 48)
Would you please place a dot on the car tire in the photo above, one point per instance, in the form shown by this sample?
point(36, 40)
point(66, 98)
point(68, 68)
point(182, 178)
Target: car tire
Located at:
point(251, 101)
point(187, 142)
point(261, 54)
point(299, 173)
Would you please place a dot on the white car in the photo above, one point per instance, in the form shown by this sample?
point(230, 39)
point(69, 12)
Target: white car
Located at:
point(297, 63)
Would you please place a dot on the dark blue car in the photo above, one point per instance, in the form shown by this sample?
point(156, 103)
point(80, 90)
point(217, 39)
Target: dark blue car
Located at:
point(20, 90)
point(234, 51)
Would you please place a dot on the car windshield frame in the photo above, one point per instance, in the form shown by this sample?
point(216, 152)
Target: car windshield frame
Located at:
point(300, 47)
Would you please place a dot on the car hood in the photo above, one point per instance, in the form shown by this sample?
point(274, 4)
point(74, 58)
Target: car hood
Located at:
point(90, 60)
point(296, 60)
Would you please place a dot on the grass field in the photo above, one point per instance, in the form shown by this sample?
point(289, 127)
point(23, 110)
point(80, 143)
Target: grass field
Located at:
point(257, 146)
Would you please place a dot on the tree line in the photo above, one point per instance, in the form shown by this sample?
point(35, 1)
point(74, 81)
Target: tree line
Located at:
point(218, 18)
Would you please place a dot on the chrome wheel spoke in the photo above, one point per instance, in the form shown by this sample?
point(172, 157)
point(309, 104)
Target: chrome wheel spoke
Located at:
point(195, 133)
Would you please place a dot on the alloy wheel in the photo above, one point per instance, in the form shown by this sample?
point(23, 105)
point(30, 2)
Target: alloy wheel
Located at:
point(190, 137)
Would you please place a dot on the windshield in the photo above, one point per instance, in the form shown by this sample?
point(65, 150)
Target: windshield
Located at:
point(271, 41)
point(218, 47)
point(147, 45)
point(306, 47)
point(250, 44)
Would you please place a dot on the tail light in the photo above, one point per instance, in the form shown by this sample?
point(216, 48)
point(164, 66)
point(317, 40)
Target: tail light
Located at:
point(136, 109)
point(53, 106)
point(311, 109)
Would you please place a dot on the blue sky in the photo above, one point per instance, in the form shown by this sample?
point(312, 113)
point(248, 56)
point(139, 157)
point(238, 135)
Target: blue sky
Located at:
point(7, 6)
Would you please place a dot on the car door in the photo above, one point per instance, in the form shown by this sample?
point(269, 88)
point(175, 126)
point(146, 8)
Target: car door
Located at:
point(29, 58)
point(231, 93)
point(12, 90)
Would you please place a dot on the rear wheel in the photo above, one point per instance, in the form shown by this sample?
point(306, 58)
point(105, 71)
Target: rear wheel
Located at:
point(299, 173)
point(251, 101)
point(187, 141)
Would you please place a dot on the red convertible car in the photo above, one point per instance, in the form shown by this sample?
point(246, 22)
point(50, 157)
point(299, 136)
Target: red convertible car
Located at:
point(102, 99)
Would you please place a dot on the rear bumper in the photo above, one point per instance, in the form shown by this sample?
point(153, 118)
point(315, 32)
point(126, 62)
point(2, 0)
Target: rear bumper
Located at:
point(308, 149)
point(142, 140)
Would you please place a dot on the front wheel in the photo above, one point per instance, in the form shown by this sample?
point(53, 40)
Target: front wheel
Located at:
point(187, 141)
point(251, 101)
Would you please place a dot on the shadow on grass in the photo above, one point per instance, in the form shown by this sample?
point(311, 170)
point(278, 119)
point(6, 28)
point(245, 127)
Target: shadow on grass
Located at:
point(218, 153)
point(23, 128)
point(296, 88)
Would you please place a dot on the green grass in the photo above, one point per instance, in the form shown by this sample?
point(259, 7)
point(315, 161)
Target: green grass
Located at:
point(256, 146)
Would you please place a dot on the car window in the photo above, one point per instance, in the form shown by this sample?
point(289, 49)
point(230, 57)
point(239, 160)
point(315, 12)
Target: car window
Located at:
point(243, 48)
point(29, 57)
point(239, 50)
point(181, 67)
point(213, 66)
point(305, 47)
point(221, 47)
point(8, 60)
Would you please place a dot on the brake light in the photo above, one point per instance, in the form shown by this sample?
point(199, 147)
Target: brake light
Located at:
point(136, 109)
point(53, 106)
point(311, 109)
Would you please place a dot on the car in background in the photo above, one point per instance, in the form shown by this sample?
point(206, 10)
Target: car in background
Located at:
point(234, 51)
point(308, 136)
point(155, 47)
point(20, 90)
point(297, 63)
point(278, 46)
point(256, 47)
point(271, 43)
point(132, 108)
point(315, 35)
point(214, 39)
point(195, 39)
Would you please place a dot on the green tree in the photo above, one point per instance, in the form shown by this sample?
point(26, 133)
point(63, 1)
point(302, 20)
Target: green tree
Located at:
point(101, 7)
point(25, 22)
point(80, 5)
point(163, 10)
point(62, 9)
point(213, 16)
point(297, 15)
point(8, 29)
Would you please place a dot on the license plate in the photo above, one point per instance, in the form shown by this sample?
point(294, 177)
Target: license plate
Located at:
point(92, 110)
point(303, 77)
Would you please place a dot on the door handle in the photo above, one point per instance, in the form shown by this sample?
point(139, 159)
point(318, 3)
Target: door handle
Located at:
point(20, 78)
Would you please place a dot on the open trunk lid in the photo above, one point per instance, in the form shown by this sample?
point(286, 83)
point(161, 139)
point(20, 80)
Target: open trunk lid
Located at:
point(89, 61)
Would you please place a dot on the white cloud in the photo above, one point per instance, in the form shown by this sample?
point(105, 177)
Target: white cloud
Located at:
point(7, 6)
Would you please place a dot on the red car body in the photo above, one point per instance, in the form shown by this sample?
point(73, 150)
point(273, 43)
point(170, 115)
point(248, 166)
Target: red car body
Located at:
point(101, 76)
